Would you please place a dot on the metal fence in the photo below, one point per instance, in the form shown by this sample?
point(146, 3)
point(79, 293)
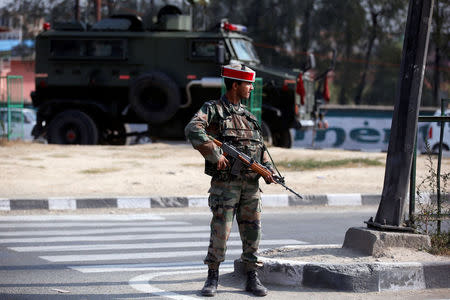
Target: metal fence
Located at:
point(11, 106)
point(438, 216)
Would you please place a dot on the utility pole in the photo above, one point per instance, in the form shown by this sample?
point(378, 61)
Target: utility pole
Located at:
point(404, 120)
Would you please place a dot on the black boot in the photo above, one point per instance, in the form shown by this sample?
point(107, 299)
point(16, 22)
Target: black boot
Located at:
point(254, 285)
point(210, 287)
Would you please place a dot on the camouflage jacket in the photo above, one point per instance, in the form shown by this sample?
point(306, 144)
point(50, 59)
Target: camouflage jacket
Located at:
point(229, 123)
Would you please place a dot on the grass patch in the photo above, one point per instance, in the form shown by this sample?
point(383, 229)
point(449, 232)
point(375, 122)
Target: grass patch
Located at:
point(152, 156)
point(60, 155)
point(311, 164)
point(100, 170)
point(192, 165)
point(30, 158)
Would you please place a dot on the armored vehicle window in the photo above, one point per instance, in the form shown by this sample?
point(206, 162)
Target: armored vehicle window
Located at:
point(87, 49)
point(112, 24)
point(244, 50)
point(67, 48)
point(203, 49)
point(106, 49)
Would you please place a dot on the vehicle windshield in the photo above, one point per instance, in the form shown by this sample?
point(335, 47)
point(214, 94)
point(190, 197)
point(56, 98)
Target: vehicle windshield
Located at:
point(244, 50)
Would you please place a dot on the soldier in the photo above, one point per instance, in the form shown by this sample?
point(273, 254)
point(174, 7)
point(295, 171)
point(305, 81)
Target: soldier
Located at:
point(229, 121)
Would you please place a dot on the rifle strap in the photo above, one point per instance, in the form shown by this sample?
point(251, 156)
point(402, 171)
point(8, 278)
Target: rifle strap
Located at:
point(273, 163)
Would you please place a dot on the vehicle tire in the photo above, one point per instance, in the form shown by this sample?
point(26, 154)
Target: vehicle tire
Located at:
point(154, 97)
point(115, 134)
point(72, 127)
point(267, 134)
point(282, 138)
point(143, 139)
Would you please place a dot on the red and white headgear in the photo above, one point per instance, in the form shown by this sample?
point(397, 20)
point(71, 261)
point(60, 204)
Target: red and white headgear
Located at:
point(238, 72)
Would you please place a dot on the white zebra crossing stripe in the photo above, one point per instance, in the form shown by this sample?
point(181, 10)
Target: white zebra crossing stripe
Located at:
point(125, 237)
point(89, 224)
point(145, 267)
point(38, 236)
point(99, 247)
point(108, 230)
point(125, 256)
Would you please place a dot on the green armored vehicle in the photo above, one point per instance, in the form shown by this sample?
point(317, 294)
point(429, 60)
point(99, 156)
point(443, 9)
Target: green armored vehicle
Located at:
point(92, 80)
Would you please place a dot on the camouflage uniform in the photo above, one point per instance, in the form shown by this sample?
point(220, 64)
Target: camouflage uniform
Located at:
point(230, 195)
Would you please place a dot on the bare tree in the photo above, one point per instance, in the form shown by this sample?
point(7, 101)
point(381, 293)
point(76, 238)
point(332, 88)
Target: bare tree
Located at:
point(440, 40)
point(379, 11)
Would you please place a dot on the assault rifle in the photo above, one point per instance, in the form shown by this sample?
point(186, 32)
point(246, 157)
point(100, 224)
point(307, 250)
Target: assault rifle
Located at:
point(241, 159)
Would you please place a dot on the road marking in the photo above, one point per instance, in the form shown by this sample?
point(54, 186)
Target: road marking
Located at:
point(145, 267)
point(124, 256)
point(125, 237)
point(109, 230)
point(141, 283)
point(344, 199)
point(279, 200)
point(307, 246)
point(85, 217)
point(94, 247)
point(5, 204)
point(89, 224)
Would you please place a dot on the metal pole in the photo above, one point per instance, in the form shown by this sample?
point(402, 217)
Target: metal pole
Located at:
point(438, 175)
point(404, 121)
point(8, 97)
point(412, 188)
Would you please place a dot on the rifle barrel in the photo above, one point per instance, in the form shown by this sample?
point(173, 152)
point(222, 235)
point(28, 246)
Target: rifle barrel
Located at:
point(289, 189)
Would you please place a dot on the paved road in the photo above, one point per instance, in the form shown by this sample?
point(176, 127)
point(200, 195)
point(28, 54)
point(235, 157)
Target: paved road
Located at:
point(140, 256)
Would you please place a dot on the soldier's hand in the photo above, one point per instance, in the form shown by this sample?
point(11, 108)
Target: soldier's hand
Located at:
point(270, 178)
point(223, 163)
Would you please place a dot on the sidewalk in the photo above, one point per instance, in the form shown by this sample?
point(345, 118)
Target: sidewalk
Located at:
point(369, 276)
point(232, 287)
point(268, 200)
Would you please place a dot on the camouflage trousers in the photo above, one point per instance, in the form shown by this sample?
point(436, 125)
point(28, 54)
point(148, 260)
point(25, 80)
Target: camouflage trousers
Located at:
point(240, 198)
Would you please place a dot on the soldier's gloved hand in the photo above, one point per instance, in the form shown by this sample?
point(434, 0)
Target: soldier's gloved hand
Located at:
point(278, 178)
point(223, 163)
point(270, 178)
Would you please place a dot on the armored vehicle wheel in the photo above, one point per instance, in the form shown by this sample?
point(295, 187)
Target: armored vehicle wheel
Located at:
point(115, 134)
point(267, 134)
point(154, 97)
point(72, 127)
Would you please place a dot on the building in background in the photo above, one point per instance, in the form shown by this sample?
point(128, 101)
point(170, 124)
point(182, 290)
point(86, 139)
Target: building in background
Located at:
point(16, 53)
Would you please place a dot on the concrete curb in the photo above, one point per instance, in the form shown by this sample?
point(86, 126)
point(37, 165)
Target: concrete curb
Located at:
point(271, 200)
point(354, 277)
